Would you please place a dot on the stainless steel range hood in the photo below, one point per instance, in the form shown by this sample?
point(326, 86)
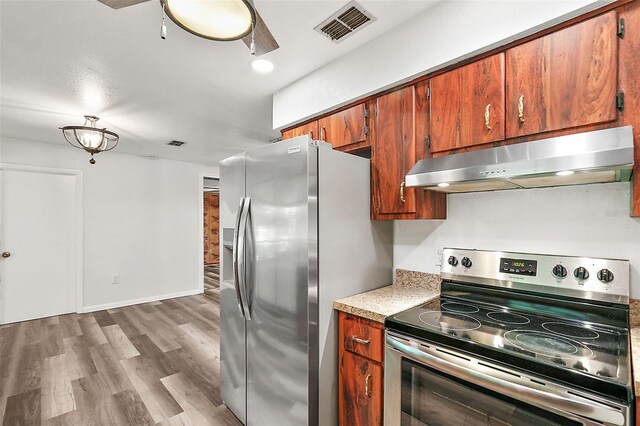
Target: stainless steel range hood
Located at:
point(591, 157)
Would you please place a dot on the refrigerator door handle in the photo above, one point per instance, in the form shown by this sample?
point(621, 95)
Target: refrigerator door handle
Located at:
point(242, 265)
point(236, 275)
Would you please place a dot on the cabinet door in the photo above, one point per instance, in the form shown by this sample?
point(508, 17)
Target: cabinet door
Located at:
point(346, 127)
point(393, 152)
point(445, 108)
point(565, 79)
point(483, 101)
point(310, 129)
point(429, 204)
point(467, 105)
point(361, 391)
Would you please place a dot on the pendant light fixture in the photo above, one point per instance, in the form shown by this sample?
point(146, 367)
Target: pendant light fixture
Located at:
point(221, 20)
point(89, 137)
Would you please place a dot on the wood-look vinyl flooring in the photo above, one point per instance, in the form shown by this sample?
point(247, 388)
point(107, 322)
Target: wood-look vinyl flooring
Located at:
point(151, 364)
point(211, 277)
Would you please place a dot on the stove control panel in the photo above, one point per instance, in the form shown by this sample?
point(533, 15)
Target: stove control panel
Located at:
point(579, 277)
point(518, 266)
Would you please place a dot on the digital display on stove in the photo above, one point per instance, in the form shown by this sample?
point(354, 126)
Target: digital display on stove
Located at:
point(518, 266)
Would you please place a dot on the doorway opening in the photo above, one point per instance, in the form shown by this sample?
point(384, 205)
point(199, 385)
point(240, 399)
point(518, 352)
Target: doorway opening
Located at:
point(211, 234)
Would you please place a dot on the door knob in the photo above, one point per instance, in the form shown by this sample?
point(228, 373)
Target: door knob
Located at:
point(6, 254)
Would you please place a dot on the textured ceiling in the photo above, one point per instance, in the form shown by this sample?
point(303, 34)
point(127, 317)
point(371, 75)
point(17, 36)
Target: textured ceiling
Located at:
point(63, 59)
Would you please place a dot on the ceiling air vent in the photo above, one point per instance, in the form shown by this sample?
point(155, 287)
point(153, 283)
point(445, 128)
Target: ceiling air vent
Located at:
point(346, 21)
point(176, 143)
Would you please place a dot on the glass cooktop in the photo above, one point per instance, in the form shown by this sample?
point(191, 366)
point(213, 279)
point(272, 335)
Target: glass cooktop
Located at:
point(533, 341)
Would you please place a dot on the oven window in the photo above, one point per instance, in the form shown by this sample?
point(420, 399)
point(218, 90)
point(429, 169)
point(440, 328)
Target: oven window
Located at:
point(433, 399)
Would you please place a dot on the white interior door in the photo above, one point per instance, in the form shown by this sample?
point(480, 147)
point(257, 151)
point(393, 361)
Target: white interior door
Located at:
point(38, 245)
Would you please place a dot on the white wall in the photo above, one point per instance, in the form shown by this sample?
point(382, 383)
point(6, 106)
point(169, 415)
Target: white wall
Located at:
point(589, 220)
point(442, 33)
point(141, 220)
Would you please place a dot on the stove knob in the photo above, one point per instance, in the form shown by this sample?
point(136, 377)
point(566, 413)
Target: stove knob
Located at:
point(605, 275)
point(453, 261)
point(581, 273)
point(559, 271)
point(466, 262)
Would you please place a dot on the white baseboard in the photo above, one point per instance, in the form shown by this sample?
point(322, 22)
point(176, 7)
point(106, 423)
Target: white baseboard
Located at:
point(142, 300)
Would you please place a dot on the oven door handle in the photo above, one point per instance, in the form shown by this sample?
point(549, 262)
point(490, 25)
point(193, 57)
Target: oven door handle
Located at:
point(588, 409)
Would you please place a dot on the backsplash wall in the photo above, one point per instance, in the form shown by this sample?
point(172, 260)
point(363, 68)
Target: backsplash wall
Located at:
point(587, 220)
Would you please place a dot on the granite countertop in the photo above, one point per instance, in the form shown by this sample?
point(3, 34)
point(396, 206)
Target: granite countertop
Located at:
point(411, 289)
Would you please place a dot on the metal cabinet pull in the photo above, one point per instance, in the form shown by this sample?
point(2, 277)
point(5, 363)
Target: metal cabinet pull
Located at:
point(487, 116)
point(6, 254)
point(359, 340)
point(521, 109)
point(323, 133)
point(367, 391)
point(402, 192)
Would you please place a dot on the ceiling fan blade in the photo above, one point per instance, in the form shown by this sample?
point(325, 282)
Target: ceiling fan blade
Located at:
point(119, 4)
point(265, 42)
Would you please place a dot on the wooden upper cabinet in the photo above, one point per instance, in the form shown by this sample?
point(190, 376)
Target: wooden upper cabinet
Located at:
point(467, 105)
point(445, 108)
point(346, 127)
point(564, 79)
point(483, 101)
point(310, 129)
point(393, 153)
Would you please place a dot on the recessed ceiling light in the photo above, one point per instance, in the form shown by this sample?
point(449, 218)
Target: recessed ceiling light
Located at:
point(262, 65)
point(565, 173)
point(443, 184)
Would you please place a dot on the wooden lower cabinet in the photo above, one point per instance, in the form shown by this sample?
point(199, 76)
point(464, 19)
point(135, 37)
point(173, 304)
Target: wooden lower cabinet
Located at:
point(361, 371)
point(362, 390)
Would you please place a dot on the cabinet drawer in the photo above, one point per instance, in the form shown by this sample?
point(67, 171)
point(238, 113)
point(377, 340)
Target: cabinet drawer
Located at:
point(363, 339)
point(361, 391)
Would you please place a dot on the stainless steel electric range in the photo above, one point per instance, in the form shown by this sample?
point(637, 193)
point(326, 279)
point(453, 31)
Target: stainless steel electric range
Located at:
point(514, 338)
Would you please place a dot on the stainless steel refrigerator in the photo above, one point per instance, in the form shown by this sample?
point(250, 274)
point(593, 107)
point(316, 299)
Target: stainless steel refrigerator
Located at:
point(296, 235)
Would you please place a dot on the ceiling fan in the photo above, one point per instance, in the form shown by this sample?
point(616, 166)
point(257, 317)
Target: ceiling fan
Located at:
point(221, 20)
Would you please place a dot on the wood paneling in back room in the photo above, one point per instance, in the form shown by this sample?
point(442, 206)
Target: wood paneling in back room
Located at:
point(211, 228)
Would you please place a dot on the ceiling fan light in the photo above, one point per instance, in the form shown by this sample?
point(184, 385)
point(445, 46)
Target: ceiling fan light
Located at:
point(212, 19)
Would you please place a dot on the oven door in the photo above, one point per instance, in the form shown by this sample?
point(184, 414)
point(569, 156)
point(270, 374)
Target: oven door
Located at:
point(430, 385)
